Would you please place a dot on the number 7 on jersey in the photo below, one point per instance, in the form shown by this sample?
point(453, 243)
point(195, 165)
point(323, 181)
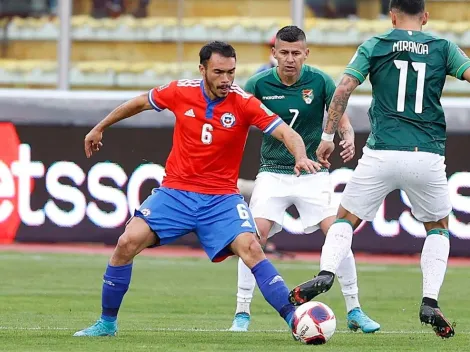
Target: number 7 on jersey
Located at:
point(296, 114)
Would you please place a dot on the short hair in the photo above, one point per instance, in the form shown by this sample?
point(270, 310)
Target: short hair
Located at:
point(218, 47)
point(291, 34)
point(409, 7)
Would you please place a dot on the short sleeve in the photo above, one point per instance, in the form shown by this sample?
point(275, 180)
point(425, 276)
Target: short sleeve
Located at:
point(162, 97)
point(457, 61)
point(359, 65)
point(260, 116)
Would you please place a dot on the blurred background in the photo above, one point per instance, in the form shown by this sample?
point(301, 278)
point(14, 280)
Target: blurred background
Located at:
point(65, 64)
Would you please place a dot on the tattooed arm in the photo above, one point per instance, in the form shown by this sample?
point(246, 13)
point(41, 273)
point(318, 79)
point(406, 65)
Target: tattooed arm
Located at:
point(345, 129)
point(340, 102)
point(335, 114)
point(346, 132)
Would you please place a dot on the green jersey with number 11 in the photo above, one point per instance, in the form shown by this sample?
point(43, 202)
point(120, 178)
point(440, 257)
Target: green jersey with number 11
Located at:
point(301, 105)
point(407, 70)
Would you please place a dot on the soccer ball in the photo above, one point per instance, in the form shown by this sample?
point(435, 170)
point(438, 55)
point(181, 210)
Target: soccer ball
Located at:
point(314, 323)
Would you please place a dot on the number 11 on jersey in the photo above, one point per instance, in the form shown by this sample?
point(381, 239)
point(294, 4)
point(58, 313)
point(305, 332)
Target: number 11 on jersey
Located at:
point(419, 67)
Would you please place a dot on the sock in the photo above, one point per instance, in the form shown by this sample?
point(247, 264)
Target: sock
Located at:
point(273, 288)
point(337, 245)
point(430, 302)
point(347, 277)
point(115, 285)
point(434, 261)
point(246, 287)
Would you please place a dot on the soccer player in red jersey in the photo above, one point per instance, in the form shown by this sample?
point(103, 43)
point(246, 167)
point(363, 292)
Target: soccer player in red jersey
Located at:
point(199, 192)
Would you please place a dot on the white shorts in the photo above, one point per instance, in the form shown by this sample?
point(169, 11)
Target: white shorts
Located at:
point(312, 195)
point(420, 175)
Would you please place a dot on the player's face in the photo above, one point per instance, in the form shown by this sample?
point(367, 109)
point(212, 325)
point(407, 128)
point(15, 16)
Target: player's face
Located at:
point(218, 75)
point(290, 57)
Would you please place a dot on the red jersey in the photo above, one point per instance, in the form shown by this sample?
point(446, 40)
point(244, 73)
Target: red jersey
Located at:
point(209, 135)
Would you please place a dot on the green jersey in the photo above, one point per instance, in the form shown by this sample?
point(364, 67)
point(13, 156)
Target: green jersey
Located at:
point(301, 105)
point(407, 71)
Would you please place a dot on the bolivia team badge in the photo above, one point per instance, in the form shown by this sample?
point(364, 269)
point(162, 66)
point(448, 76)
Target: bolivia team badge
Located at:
point(307, 95)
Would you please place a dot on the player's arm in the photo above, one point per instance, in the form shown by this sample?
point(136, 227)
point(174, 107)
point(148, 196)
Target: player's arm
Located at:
point(355, 73)
point(458, 63)
point(157, 99)
point(295, 144)
point(345, 130)
point(335, 113)
point(129, 108)
point(466, 75)
point(346, 133)
point(339, 102)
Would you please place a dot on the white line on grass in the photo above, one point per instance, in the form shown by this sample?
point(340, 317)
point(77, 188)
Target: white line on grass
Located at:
point(52, 328)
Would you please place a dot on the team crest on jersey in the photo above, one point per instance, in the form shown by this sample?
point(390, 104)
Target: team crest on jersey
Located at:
point(307, 95)
point(227, 120)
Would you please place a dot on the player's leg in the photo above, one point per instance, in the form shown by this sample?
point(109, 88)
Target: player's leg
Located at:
point(246, 283)
point(370, 183)
point(226, 227)
point(117, 277)
point(161, 214)
point(314, 199)
point(347, 278)
point(427, 190)
point(270, 282)
point(268, 204)
point(434, 258)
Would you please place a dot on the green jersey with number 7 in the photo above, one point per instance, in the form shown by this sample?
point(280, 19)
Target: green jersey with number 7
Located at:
point(408, 71)
point(301, 105)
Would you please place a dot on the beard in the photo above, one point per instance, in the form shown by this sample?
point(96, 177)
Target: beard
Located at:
point(214, 89)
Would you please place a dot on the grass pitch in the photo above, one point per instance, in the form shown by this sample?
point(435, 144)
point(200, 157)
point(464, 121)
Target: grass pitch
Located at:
point(186, 304)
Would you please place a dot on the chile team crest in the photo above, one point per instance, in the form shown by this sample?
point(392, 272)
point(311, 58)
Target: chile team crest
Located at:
point(227, 120)
point(307, 95)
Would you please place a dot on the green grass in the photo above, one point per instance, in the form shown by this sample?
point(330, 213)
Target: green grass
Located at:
point(45, 298)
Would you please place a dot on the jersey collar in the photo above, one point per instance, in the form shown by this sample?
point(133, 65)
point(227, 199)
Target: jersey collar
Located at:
point(211, 104)
point(206, 97)
point(276, 75)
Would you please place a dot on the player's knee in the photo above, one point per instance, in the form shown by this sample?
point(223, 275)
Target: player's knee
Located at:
point(254, 250)
point(440, 224)
point(127, 245)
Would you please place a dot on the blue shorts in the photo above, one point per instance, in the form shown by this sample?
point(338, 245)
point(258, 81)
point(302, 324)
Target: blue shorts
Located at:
point(216, 219)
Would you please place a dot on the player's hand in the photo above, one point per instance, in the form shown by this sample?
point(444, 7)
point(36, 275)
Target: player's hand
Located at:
point(306, 164)
point(93, 142)
point(324, 151)
point(349, 150)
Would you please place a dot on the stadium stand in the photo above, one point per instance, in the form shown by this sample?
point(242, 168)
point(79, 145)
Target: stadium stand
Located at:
point(140, 53)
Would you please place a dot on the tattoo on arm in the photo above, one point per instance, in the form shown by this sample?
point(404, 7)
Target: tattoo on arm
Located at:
point(340, 102)
point(346, 132)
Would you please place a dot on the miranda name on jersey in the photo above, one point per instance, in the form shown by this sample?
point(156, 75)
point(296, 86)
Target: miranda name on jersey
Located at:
point(413, 47)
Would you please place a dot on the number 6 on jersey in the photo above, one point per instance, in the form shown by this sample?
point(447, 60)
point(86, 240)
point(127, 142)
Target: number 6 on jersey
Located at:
point(206, 135)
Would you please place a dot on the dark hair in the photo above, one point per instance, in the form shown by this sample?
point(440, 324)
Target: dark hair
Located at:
point(221, 48)
point(409, 7)
point(291, 34)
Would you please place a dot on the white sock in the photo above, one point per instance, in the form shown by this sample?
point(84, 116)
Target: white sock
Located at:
point(434, 264)
point(337, 246)
point(246, 287)
point(347, 277)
